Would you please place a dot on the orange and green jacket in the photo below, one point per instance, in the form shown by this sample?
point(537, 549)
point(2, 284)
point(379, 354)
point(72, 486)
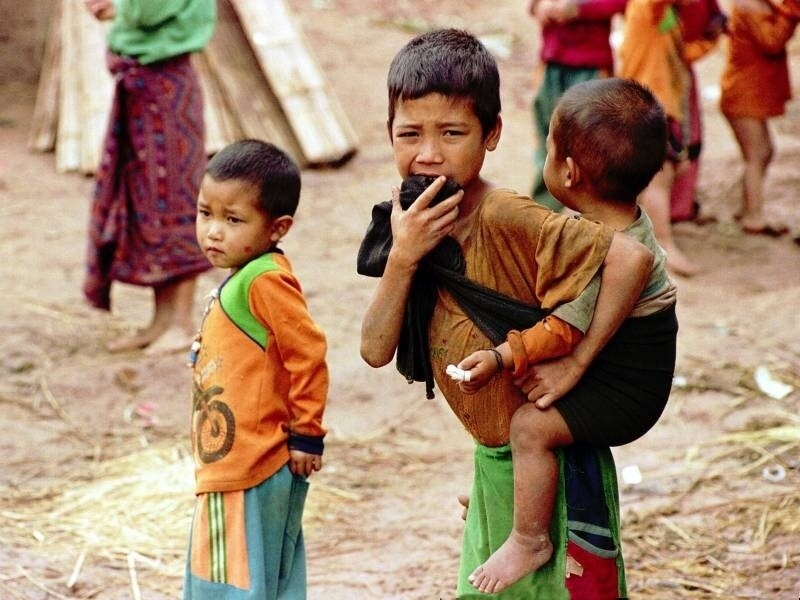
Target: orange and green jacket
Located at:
point(260, 378)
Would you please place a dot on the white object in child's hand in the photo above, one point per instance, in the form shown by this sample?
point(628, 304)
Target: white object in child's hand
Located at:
point(457, 374)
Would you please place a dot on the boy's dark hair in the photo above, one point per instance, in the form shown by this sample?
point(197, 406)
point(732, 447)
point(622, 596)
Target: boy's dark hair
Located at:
point(616, 131)
point(450, 62)
point(264, 166)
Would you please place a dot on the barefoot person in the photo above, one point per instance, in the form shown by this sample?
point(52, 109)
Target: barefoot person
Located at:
point(755, 88)
point(607, 139)
point(444, 116)
point(141, 228)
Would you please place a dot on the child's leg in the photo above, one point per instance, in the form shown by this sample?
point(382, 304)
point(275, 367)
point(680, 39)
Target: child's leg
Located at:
point(655, 200)
point(534, 435)
point(757, 150)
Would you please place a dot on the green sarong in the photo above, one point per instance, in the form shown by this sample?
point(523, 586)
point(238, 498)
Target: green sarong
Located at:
point(556, 80)
point(489, 521)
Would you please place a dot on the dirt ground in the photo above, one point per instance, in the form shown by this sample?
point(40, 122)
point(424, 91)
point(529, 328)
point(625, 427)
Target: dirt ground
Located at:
point(95, 488)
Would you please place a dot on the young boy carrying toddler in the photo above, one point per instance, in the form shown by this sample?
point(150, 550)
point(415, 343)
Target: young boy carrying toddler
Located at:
point(260, 383)
point(444, 115)
point(607, 139)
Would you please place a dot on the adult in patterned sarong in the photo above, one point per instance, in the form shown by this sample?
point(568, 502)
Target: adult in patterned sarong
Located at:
point(141, 228)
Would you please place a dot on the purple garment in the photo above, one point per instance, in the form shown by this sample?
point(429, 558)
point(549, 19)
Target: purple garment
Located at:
point(142, 224)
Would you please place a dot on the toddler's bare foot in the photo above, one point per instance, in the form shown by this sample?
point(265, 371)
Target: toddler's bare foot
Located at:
point(174, 339)
point(517, 557)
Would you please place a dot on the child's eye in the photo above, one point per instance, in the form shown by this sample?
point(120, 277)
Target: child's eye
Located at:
point(202, 212)
point(406, 134)
point(453, 132)
point(234, 220)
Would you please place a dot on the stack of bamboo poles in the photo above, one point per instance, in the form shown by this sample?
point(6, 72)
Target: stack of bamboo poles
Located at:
point(259, 80)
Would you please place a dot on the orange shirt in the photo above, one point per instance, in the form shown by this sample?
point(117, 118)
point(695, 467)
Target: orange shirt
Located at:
point(652, 54)
point(260, 375)
point(755, 81)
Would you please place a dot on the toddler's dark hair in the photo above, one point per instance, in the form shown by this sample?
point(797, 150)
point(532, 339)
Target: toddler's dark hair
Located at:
point(266, 167)
point(616, 131)
point(450, 62)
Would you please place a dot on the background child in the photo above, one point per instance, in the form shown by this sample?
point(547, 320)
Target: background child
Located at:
point(259, 387)
point(755, 87)
point(655, 53)
point(607, 140)
point(702, 23)
point(574, 47)
point(141, 229)
point(444, 115)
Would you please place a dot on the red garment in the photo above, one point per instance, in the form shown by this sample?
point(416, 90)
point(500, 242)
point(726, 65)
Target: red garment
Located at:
point(142, 227)
point(583, 41)
point(755, 82)
point(599, 578)
point(790, 8)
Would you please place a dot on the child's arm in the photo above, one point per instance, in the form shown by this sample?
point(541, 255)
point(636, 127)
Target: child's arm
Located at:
point(549, 338)
point(415, 232)
point(770, 29)
point(304, 463)
point(625, 273)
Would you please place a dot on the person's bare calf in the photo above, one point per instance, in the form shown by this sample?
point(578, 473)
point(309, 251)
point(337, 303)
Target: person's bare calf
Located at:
point(172, 328)
point(534, 434)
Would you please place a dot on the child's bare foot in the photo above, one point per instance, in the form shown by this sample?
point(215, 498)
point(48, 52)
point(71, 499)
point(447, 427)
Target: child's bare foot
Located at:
point(135, 341)
point(678, 263)
point(518, 556)
point(174, 339)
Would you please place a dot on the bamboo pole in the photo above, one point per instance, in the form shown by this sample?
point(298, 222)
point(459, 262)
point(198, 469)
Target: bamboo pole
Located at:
point(68, 136)
point(322, 129)
point(221, 127)
point(246, 92)
point(96, 89)
point(44, 121)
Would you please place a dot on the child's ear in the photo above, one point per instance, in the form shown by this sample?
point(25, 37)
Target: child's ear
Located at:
point(572, 172)
point(280, 227)
point(493, 135)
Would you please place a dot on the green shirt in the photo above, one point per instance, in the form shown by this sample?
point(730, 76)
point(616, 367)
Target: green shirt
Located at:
point(153, 30)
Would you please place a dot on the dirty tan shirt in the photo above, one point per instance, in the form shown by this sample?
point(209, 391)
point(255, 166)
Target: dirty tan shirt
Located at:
point(527, 252)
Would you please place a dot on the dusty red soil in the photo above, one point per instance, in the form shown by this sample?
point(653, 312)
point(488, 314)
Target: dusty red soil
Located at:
point(96, 495)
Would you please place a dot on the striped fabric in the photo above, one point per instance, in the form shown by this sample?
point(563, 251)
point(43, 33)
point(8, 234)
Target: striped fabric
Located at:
point(219, 544)
point(216, 536)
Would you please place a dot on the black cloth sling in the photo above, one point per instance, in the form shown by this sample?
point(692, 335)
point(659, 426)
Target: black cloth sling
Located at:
point(495, 314)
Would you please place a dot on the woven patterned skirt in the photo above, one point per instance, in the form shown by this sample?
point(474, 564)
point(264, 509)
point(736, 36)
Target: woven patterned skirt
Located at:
point(141, 229)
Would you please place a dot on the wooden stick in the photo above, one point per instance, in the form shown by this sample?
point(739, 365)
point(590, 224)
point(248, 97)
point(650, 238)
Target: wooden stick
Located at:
point(244, 89)
point(96, 89)
point(137, 593)
point(73, 578)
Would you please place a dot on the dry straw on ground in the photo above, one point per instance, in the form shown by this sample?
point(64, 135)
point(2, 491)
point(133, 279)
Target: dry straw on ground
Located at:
point(131, 513)
point(748, 532)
